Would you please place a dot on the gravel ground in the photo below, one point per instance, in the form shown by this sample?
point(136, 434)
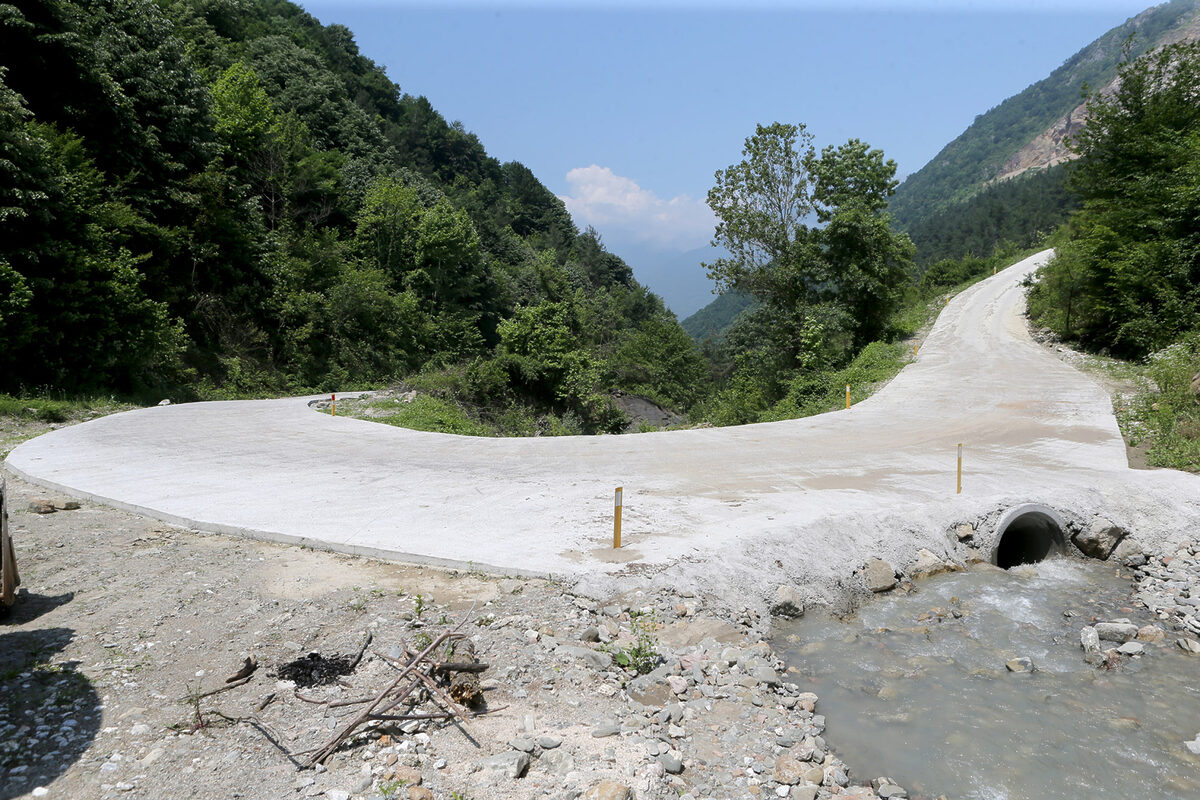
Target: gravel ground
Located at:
point(122, 621)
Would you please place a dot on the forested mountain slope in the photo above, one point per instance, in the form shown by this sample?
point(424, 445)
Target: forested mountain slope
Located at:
point(1027, 130)
point(228, 196)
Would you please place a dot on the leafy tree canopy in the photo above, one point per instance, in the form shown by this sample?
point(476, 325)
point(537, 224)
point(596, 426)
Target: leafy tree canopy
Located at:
point(806, 231)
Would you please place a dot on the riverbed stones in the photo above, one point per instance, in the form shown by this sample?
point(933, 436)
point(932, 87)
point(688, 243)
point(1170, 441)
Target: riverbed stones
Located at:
point(511, 764)
point(789, 769)
point(523, 744)
point(1120, 631)
point(1021, 664)
point(1089, 640)
point(1100, 538)
point(927, 565)
point(605, 729)
point(1190, 646)
point(1131, 649)
point(596, 659)
point(787, 602)
point(650, 691)
point(1151, 634)
point(671, 762)
point(879, 575)
point(609, 790)
point(558, 762)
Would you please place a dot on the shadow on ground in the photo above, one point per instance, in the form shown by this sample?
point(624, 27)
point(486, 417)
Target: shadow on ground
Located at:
point(49, 710)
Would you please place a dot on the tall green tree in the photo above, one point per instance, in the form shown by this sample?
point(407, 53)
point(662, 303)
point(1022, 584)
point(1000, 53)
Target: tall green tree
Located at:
point(808, 235)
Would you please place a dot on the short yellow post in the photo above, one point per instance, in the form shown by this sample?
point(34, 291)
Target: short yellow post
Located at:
point(915, 347)
point(333, 404)
point(959, 469)
point(947, 299)
point(617, 519)
point(847, 395)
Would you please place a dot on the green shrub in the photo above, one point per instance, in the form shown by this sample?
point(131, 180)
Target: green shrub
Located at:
point(428, 413)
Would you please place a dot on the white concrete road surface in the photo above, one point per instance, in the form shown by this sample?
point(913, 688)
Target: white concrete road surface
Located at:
point(809, 498)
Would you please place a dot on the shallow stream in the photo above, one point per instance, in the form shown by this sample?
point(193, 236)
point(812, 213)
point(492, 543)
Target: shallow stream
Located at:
point(915, 688)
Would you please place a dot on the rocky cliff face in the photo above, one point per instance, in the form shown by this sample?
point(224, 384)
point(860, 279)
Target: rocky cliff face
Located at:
point(1047, 148)
point(1050, 147)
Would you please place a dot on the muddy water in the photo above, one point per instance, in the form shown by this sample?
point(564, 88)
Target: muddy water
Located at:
point(915, 688)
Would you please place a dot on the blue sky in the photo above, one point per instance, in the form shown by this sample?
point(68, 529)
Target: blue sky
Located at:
point(625, 110)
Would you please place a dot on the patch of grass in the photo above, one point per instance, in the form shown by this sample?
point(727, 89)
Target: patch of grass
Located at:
point(25, 416)
point(642, 656)
point(427, 413)
point(47, 409)
point(1164, 412)
point(818, 392)
point(393, 789)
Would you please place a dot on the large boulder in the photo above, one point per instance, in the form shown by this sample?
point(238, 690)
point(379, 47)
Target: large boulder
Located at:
point(1119, 631)
point(1100, 538)
point(787, 602)
point(879, 575)
point(927, 564)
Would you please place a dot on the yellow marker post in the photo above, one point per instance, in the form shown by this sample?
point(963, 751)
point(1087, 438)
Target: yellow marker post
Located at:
point(333, 404)
point(959, 469)
point(847, 395)
point(915, 347)
point(617, 519)
point(947, 299)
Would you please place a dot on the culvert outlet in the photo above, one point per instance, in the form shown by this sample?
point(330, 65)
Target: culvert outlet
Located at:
point(1027, 534)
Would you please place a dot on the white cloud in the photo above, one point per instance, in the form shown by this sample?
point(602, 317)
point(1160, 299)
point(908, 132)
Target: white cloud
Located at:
point(611, 202)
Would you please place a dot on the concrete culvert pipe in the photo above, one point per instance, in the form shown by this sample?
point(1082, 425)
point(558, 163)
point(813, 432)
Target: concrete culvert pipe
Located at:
point(1027, 534)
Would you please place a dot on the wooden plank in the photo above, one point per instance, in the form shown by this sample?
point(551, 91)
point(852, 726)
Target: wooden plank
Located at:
point(9, 577)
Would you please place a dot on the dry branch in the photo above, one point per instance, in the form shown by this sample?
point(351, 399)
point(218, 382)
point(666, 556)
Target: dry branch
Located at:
point(323, 753)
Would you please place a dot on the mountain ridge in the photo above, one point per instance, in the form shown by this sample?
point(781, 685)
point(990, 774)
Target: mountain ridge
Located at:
point(1001, 141)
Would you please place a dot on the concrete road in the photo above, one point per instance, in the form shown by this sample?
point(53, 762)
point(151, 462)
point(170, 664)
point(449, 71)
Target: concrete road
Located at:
point(813, 496)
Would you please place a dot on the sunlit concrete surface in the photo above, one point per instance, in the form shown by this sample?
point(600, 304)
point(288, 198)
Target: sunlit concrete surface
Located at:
point(811, 496)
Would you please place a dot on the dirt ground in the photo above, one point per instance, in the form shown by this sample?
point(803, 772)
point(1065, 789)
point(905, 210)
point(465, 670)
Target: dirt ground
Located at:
point(122, 622)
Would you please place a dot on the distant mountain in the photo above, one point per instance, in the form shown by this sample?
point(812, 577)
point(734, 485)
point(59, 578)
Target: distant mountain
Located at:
point(1026, 132)
point(678, 278)
point(716, 317)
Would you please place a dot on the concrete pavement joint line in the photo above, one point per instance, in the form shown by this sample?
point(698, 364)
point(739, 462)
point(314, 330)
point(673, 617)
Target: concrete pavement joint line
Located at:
point(704, 508)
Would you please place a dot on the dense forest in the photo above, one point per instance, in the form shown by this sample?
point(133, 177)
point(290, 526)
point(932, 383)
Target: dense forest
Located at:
point(215, 198)
point(1021, 212)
